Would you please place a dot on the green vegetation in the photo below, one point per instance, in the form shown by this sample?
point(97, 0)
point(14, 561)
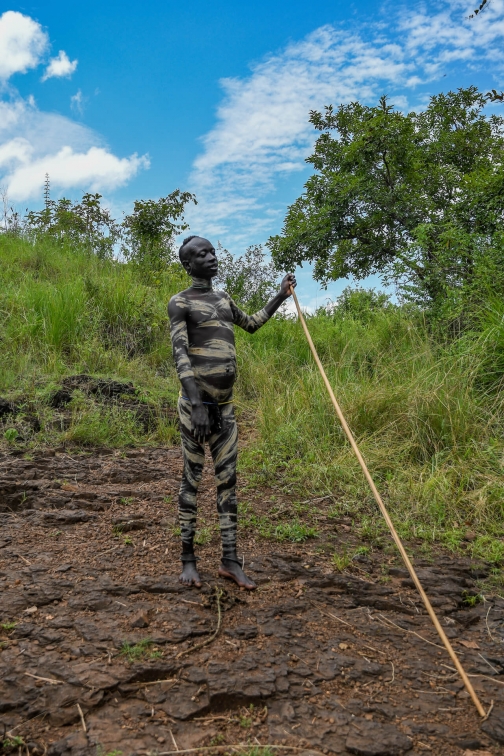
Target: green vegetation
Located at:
point(425, 410)
point(415, 198)
point(14, 742)
point(8, 626)
point(139, 650)
point(419, 382)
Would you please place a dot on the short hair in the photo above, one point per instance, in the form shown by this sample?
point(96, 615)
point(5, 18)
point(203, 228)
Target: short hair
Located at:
point(184, 244)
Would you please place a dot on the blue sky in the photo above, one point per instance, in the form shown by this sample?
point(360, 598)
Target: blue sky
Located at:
point(134, 100)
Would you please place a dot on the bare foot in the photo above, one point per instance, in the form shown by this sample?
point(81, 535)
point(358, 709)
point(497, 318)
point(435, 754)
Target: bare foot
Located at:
point(190, 575)
point(232, 570)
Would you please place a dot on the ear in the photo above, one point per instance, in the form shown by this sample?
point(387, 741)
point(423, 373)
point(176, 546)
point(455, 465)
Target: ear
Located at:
point(187, 266)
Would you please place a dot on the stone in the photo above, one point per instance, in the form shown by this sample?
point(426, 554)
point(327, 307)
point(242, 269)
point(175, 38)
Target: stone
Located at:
point(185, 701)
point(367, 738)
point(494, 726)
point(75, 744)
point(243, 632)
point(140, 619)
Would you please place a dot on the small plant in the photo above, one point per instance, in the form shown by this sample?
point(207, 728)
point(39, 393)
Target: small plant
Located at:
point(11, 435)
point(293, 531)
point(139, 650)
point(128, 541)
point(341, 561)
point(56, 533)
point(203, 536)
point(471, 599)
point(14, 742)
point(176, 530)
point(167, 499)
point(217, 740)
point(126, 500)
point(8, 626)
point(245, 722)
point(99, 752)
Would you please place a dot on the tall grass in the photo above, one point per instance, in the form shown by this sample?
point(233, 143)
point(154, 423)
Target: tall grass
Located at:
point(427, 417)
point(427, 414)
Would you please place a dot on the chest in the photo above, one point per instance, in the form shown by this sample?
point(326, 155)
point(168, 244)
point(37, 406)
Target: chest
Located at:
point(210, 309)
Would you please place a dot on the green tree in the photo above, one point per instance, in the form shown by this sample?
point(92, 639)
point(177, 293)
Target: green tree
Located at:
point(150, 230)
point(85, 224)
point(250, 280)
point(417, 198)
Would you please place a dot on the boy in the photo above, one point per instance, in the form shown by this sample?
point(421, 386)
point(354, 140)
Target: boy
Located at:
point(201, 322)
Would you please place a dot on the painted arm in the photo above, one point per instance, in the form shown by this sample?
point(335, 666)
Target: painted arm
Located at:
point(200, 424)
point(251, 323)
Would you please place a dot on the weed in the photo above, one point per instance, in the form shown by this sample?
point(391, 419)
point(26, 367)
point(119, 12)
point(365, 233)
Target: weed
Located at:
point(344, 560)
point(139, 650)
point(13, 742)
point(217, 739)
point(128, 541)
point(470, 599)
point(126, 500)
point(11, 435)
point(294, 531)
point(203, 536)
point(8, 626)
point(341, 561)
point(167, 499)
point(245, 722)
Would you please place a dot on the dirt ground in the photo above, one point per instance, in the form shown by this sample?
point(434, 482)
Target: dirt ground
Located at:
point(96, 632)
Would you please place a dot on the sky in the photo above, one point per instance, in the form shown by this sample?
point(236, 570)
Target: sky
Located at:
point(134, 100)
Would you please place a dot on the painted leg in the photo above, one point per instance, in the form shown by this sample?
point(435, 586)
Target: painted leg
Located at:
point(224, 448)
point(194, 456)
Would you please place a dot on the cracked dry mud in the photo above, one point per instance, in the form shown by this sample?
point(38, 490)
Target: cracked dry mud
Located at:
point(341, 663)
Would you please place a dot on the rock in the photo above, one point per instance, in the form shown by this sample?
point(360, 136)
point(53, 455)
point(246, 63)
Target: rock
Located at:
point(160, 584)
point(75, 744)
point(245, 632)
point(140, 619)
point(186, 702)
point(494, 726)
point(66, 517)
point(367, 738)
point(126, 523)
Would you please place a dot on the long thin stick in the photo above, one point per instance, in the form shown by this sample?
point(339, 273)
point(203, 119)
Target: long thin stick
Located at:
point(389, 522)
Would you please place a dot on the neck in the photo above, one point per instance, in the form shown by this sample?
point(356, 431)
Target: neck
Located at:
point(201, 283)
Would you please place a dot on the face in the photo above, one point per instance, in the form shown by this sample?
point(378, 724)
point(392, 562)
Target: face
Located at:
point(201, 261)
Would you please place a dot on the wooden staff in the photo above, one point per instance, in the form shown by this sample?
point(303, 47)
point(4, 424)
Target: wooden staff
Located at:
point(389, 522)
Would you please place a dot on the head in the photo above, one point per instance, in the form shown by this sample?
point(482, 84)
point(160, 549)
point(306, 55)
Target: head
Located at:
point(197, 255)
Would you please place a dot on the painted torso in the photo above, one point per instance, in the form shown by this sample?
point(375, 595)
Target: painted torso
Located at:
point(202, 333)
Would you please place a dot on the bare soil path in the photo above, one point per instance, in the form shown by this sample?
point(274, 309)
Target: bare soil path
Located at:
point(93, 623)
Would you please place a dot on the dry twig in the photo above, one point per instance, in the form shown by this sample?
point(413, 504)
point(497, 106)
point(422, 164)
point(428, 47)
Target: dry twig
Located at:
point(81, 715)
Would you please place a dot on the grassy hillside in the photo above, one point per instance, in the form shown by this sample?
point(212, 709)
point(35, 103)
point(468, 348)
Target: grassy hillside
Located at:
point(427, 415)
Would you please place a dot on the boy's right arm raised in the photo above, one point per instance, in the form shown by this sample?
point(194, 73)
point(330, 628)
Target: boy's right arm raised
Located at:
point(177, 311)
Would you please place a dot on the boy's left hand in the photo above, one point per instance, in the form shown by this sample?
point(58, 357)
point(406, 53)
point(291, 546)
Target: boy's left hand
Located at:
point(288, 281)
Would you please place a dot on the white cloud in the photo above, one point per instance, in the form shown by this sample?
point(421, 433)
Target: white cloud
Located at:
point(33, 143)
point(262, 132)
point(22, 43)
point(59, 67)
point(77, 102)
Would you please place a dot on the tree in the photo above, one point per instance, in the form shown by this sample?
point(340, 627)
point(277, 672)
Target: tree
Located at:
point(250, 280)
point(416, 198)
point(85, 224)
point(150, 230)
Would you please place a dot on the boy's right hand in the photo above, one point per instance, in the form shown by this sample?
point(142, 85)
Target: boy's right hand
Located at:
point(200, 423)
